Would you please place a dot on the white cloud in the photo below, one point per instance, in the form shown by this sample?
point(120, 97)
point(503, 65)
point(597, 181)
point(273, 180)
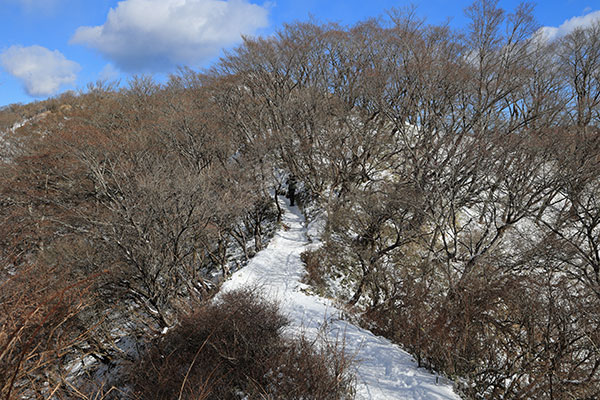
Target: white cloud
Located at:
point(41, 71)
point(108, 73)
point(550, 32)
point(155, 35)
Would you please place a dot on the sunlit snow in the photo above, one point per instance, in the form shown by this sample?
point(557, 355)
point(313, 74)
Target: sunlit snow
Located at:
point(384, 371)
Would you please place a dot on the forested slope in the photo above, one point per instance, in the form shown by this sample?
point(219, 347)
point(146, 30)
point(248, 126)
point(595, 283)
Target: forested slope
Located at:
point(457, 174)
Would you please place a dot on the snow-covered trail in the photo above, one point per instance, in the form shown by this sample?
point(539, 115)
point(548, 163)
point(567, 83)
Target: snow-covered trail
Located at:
point(384, 371)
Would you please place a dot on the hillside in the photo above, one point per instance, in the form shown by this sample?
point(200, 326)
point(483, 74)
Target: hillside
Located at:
point(449, 180)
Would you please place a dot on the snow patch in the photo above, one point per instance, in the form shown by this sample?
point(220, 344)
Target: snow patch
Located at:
point(384, 371)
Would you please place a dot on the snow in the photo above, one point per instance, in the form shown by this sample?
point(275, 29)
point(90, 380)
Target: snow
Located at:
point(384, 371)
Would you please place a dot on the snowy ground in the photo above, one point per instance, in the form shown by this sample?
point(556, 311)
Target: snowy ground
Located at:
point(384, 371)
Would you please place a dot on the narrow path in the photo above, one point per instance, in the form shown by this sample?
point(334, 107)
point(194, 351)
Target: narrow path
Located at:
point(384, 371)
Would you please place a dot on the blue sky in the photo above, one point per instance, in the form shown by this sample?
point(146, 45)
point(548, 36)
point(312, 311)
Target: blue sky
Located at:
point(49, 46)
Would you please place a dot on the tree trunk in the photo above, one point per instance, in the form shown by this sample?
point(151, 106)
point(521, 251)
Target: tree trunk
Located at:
point(279, 211)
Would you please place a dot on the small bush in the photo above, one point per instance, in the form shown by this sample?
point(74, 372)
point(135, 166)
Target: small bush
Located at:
point(234, 349)
point(315, 273)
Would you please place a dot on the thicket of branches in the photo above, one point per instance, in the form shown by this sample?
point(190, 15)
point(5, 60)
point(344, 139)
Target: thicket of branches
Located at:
point(235, 347)
point(119, 208)
point(458, 171)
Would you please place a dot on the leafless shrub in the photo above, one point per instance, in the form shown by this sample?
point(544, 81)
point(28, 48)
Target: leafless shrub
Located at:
point(40, 330)
point(315, 273)
point(233, 348)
